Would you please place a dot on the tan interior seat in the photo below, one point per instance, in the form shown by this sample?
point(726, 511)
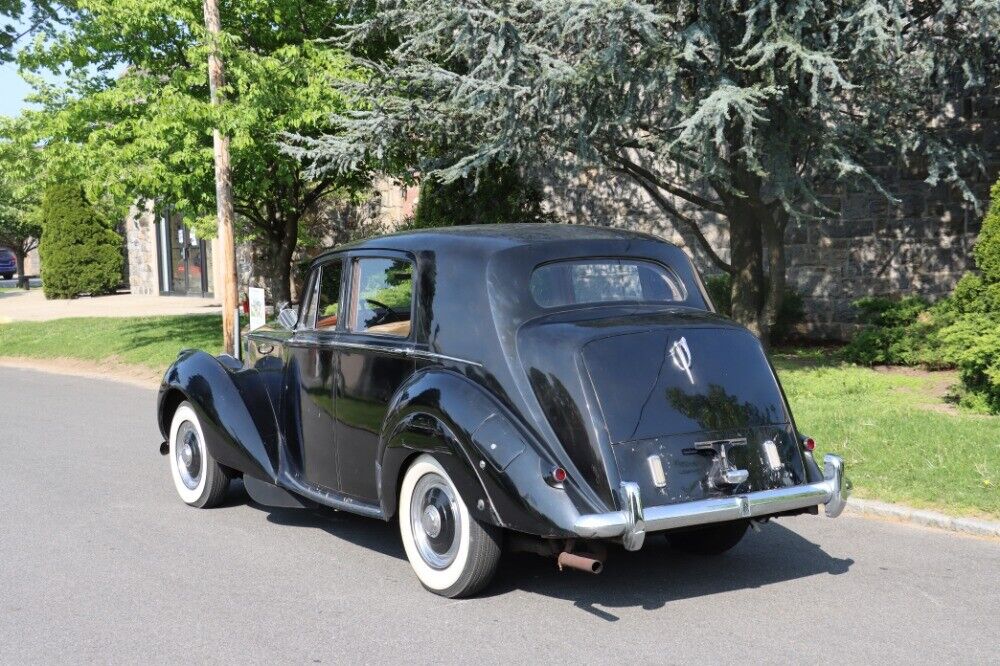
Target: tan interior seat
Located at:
point(400, 328)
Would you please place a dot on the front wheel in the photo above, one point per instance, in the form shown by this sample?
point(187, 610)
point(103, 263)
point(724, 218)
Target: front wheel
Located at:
point(709, 539)
point(452, 553)
point(200, 481)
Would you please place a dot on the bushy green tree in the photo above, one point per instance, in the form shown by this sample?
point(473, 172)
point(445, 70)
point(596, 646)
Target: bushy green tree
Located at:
point(134, 119)
point(987, 250)
point(80, 253)
point(496, 195)
point(20, 227)
point(744, 109)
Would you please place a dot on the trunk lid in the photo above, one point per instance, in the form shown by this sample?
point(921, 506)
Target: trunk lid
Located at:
point(678, 385)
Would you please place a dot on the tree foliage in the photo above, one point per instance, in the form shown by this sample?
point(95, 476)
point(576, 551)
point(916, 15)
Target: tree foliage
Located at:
point(80, 253)
point(20, 223)
point(744, 109)
point(135, 119)
point(499, 194)
point(21, 18)
point(987, 250)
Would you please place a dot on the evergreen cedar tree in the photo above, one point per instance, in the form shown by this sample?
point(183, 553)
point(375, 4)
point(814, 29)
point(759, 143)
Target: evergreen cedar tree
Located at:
point(80, 254)
point(749, 110)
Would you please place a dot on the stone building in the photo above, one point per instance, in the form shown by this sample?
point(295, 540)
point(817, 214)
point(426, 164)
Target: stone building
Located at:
point(167, 258)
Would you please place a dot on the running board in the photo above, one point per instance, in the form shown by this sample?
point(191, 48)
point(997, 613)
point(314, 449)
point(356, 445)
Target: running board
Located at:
point(329, 498)
point(269, 494)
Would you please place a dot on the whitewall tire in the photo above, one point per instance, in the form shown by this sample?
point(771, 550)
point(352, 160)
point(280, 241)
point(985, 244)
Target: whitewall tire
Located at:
point(199, 480)
point(452, 553)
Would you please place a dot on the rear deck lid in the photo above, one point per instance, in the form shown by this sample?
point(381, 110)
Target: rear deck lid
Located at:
point(670, 381)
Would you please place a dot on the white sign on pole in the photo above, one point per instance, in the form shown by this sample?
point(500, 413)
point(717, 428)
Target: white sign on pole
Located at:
point(257, 313)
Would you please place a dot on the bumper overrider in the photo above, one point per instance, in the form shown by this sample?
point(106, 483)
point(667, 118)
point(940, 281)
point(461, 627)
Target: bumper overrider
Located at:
point(633, 522)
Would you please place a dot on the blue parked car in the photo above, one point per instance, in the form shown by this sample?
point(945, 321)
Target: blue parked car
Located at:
point(8, 263)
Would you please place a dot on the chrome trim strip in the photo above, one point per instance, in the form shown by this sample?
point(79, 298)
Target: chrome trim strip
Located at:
point(634, 521)
point(396, 350)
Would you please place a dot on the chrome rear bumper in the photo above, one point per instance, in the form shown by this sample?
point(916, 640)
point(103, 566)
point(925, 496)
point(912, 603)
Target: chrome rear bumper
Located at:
point(632, 522)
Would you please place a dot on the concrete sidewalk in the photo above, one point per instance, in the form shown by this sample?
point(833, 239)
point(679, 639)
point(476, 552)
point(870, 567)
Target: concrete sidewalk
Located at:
point(32, 306)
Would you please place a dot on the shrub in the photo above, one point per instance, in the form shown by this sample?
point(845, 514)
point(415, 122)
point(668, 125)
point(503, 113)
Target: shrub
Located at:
point(80, 254)
point(987, 250)
point(973, 344)
point(792, 311)
point(974, 295)
point(900, 332)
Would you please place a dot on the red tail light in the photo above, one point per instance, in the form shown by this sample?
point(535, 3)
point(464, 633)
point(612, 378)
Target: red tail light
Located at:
point(809, 443)
point(557, 475)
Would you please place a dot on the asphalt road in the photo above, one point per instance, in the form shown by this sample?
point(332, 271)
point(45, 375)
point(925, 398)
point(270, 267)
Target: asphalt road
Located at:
point(101, 562)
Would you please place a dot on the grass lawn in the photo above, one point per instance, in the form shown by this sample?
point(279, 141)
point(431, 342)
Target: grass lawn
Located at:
point(152, 342)
point(900, 440)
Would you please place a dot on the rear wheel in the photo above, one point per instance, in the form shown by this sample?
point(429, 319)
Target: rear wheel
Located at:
point(452, 553)
point(709, 539)
point(200, 481)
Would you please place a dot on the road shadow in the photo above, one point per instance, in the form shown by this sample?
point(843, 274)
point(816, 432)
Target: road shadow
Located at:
point(648, 579)
point(656, 575)
point(376, 535)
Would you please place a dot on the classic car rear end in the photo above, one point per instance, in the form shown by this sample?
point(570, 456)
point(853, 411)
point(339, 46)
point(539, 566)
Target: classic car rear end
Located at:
point(672, 412)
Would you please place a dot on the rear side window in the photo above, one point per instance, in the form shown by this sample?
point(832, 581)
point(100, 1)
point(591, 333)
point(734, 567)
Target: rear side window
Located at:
point(383, 296)
point(605, 280)
point(328, 311)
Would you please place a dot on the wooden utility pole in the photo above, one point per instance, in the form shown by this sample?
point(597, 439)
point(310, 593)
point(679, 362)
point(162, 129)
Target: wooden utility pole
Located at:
point(223, 185)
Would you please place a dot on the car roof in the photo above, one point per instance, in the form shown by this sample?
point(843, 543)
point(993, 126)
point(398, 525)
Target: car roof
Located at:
point(488, 238)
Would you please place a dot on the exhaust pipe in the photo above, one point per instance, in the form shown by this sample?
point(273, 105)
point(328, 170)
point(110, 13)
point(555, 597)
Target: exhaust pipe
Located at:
point(579, 562)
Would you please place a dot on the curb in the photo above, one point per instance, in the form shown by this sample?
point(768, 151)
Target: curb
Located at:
point(974, 526)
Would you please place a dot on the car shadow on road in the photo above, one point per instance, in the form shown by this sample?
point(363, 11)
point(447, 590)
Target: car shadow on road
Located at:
point(658, 575)
point(648, 579)
point(375, 535)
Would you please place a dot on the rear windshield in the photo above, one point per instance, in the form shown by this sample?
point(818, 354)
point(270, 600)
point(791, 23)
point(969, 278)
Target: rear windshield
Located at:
point(604, 280)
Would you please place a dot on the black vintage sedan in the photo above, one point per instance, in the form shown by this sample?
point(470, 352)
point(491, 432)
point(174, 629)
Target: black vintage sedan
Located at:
point(544, 387)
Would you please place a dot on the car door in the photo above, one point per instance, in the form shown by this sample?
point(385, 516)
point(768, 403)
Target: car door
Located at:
point(372, 362)
point(312, 369)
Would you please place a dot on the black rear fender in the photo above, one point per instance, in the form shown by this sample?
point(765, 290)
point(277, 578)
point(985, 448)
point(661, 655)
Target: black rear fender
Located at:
point(487, 455)
point(236, 413)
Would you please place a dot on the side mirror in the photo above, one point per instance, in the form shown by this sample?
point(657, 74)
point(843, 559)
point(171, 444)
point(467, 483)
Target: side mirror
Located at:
point(288, 316)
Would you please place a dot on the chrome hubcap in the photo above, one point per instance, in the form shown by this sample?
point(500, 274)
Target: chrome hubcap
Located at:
point(431, 521)
point(189, 456)
point(436, 521)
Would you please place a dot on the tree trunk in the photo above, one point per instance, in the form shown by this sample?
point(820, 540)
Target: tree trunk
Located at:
point(277, 255)
point(20, 257)
point(747, 250)
point(774, 238)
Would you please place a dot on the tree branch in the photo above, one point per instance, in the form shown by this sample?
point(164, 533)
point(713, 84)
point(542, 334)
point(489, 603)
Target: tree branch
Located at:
point(653, 191)
point(647, 175)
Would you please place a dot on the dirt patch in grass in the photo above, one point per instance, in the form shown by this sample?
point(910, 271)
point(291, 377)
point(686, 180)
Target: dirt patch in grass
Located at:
point(936, 387)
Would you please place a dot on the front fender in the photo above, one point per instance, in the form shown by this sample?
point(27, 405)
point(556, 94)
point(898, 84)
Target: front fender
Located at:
point(236, 413)
point(483, 448)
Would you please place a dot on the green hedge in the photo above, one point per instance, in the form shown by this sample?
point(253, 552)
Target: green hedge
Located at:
point(80, 254)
